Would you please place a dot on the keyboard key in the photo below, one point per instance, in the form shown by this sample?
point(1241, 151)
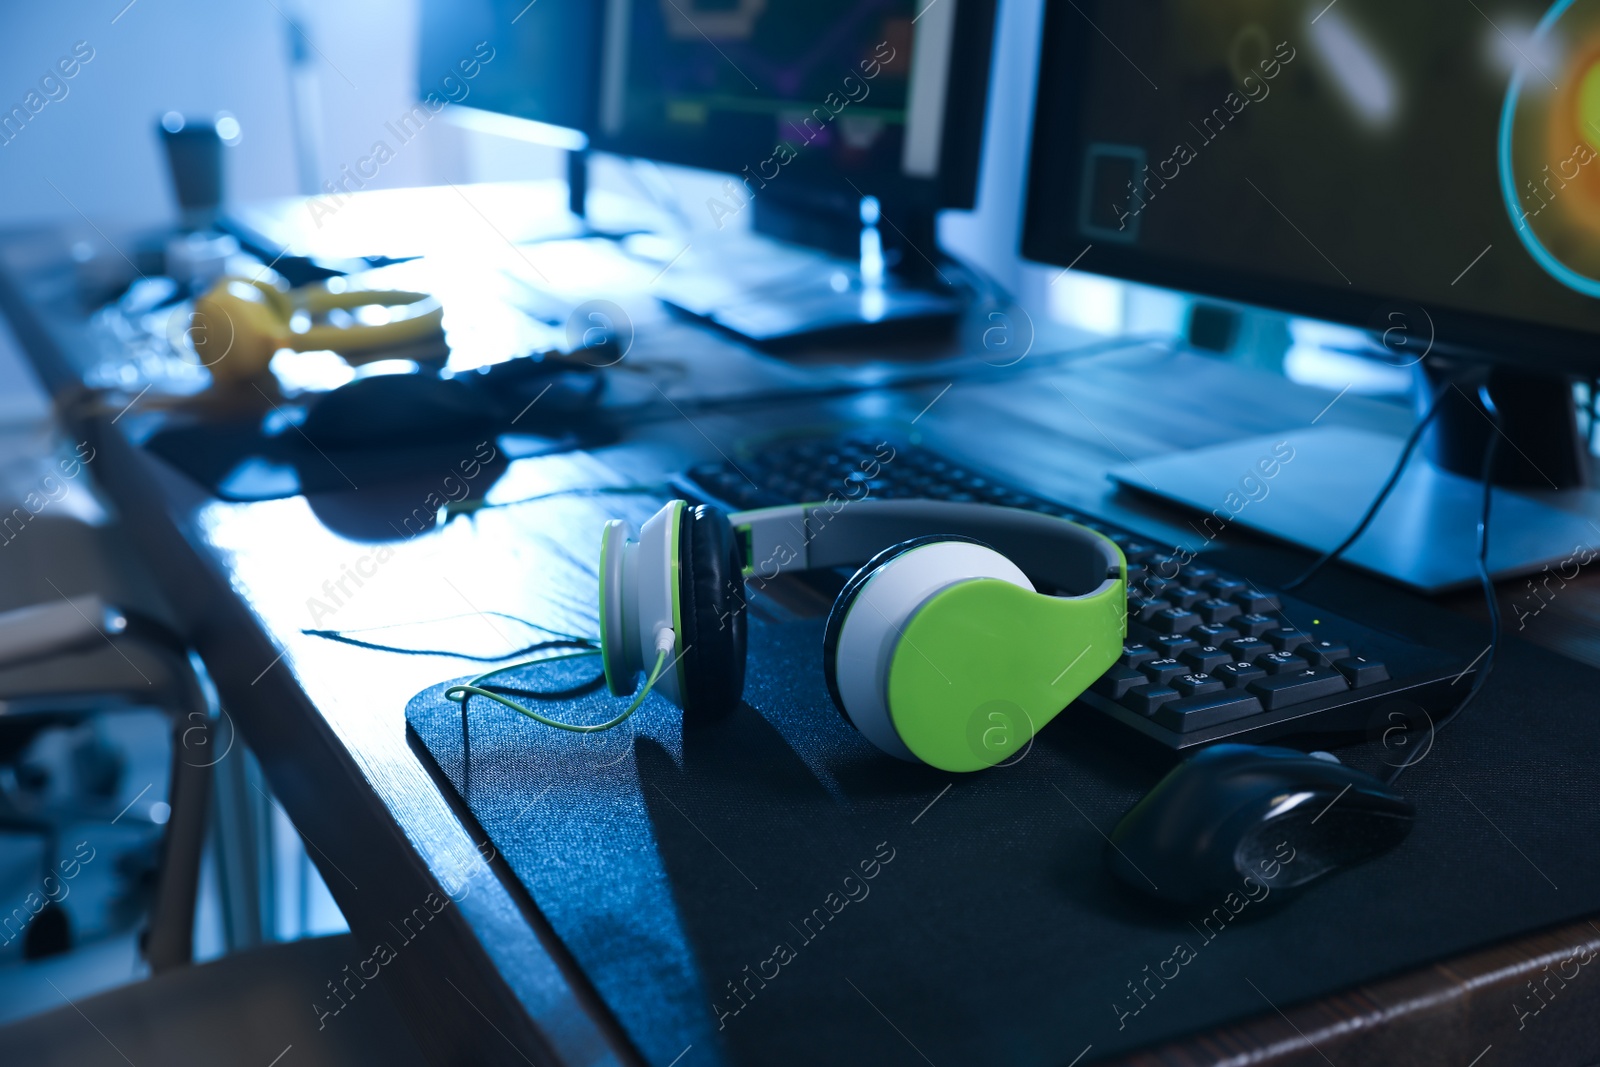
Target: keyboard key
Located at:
point(1149, 609)
point(1117, 681)
point(1196, 685)
point(1134, 549)
point(1323, 653)
point(1297, 687)
point(1163, 671)
point(1198, 576)
point(1238, 675)
point(1362, 671)
point(1146, 700)
point(1280, 662)
point(1205, 658)
point(1248, 649)
point(1224, 587)
point(1213, 633)
point(1287, 640)
point(1173, 621)
point(1254, 625)
point(1255, 602)
point(1137, 653)
point(1216, 609)
point(1184, 596)
point(1174, 646)
point(1197, 713)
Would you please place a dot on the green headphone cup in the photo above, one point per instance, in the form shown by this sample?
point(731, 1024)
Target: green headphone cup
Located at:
point(983, 665)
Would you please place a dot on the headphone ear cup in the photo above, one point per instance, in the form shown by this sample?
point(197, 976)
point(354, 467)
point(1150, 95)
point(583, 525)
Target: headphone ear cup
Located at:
point(617, 652)
point(846, 599)
point(711, 600)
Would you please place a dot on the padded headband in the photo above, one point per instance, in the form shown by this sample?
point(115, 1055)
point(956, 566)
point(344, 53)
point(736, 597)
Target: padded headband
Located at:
point(1069, 558)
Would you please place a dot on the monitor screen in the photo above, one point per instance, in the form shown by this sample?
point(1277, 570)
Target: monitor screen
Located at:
point(885, 96)
point(530, 60)
point(1427, 165)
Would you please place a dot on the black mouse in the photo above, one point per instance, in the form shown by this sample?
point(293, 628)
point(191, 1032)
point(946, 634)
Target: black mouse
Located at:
point(390, 409)
point(1233, 818)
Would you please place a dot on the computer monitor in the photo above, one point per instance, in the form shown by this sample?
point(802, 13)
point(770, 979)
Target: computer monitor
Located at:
point(1425, 172)
point(544, 64)
point(806, 102)
point(1333, 163)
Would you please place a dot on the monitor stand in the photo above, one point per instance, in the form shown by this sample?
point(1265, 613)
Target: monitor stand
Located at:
point(1542, 447)
point(1425, 536)
point(866, 280)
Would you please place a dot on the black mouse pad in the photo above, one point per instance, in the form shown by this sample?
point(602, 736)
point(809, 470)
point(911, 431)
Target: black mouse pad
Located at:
point(771, 890)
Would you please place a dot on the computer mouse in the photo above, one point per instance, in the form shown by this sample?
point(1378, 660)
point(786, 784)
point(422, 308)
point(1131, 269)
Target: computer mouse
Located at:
point(390, 409)
point(1236, 818)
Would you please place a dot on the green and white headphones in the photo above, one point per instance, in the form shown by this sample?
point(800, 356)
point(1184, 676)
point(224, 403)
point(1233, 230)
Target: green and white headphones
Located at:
point(940, 649)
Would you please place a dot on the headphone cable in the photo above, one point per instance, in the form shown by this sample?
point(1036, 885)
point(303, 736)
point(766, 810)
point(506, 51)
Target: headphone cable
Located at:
point(459, 693)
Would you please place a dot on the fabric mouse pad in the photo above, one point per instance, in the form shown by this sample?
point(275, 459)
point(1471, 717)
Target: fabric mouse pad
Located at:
point(770, 889)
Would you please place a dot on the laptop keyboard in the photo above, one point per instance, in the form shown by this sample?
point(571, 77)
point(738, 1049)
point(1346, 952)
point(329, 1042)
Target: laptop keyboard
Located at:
point(1210, 656)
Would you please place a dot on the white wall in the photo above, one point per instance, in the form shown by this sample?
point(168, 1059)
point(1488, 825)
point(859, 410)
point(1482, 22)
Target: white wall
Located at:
point(98, 145)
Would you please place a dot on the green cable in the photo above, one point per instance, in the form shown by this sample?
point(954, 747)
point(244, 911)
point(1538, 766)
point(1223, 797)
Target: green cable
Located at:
point(459, 693)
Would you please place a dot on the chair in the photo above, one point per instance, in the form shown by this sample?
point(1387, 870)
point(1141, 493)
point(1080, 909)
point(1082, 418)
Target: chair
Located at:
point(67, 661)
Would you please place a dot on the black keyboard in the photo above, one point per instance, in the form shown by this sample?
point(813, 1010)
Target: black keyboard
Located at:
point(1210, 656)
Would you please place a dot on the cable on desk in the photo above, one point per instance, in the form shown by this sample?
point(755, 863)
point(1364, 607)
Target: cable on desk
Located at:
point(468, 507)
point(1412, 441)
point(460, 693)
point(1489, 453)
point(1488, 654)
point(557, 640)
point(650, 411)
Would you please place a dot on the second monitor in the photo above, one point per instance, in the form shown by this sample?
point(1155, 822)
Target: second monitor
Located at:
point(821, 102)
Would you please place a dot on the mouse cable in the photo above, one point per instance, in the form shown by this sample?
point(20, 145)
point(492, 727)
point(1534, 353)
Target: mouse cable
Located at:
point(1488, 654)
point(459, 693)
point(1412, 440)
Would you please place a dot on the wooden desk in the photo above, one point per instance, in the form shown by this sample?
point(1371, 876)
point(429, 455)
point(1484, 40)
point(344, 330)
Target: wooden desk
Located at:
point(491, 984)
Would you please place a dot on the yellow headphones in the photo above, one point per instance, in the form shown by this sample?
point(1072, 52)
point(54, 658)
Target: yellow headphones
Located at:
point(240, 322)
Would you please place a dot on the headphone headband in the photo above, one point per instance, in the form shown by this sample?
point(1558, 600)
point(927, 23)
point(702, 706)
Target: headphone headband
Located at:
point(1070, 558)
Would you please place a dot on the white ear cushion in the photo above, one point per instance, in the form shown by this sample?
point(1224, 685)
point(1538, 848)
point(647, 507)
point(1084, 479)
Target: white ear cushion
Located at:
point(655, 586)
point(878, 616)
point(618, 638)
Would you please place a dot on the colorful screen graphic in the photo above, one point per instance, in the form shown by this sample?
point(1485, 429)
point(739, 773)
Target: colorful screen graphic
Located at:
point(1549, 130)
point(752, 86)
